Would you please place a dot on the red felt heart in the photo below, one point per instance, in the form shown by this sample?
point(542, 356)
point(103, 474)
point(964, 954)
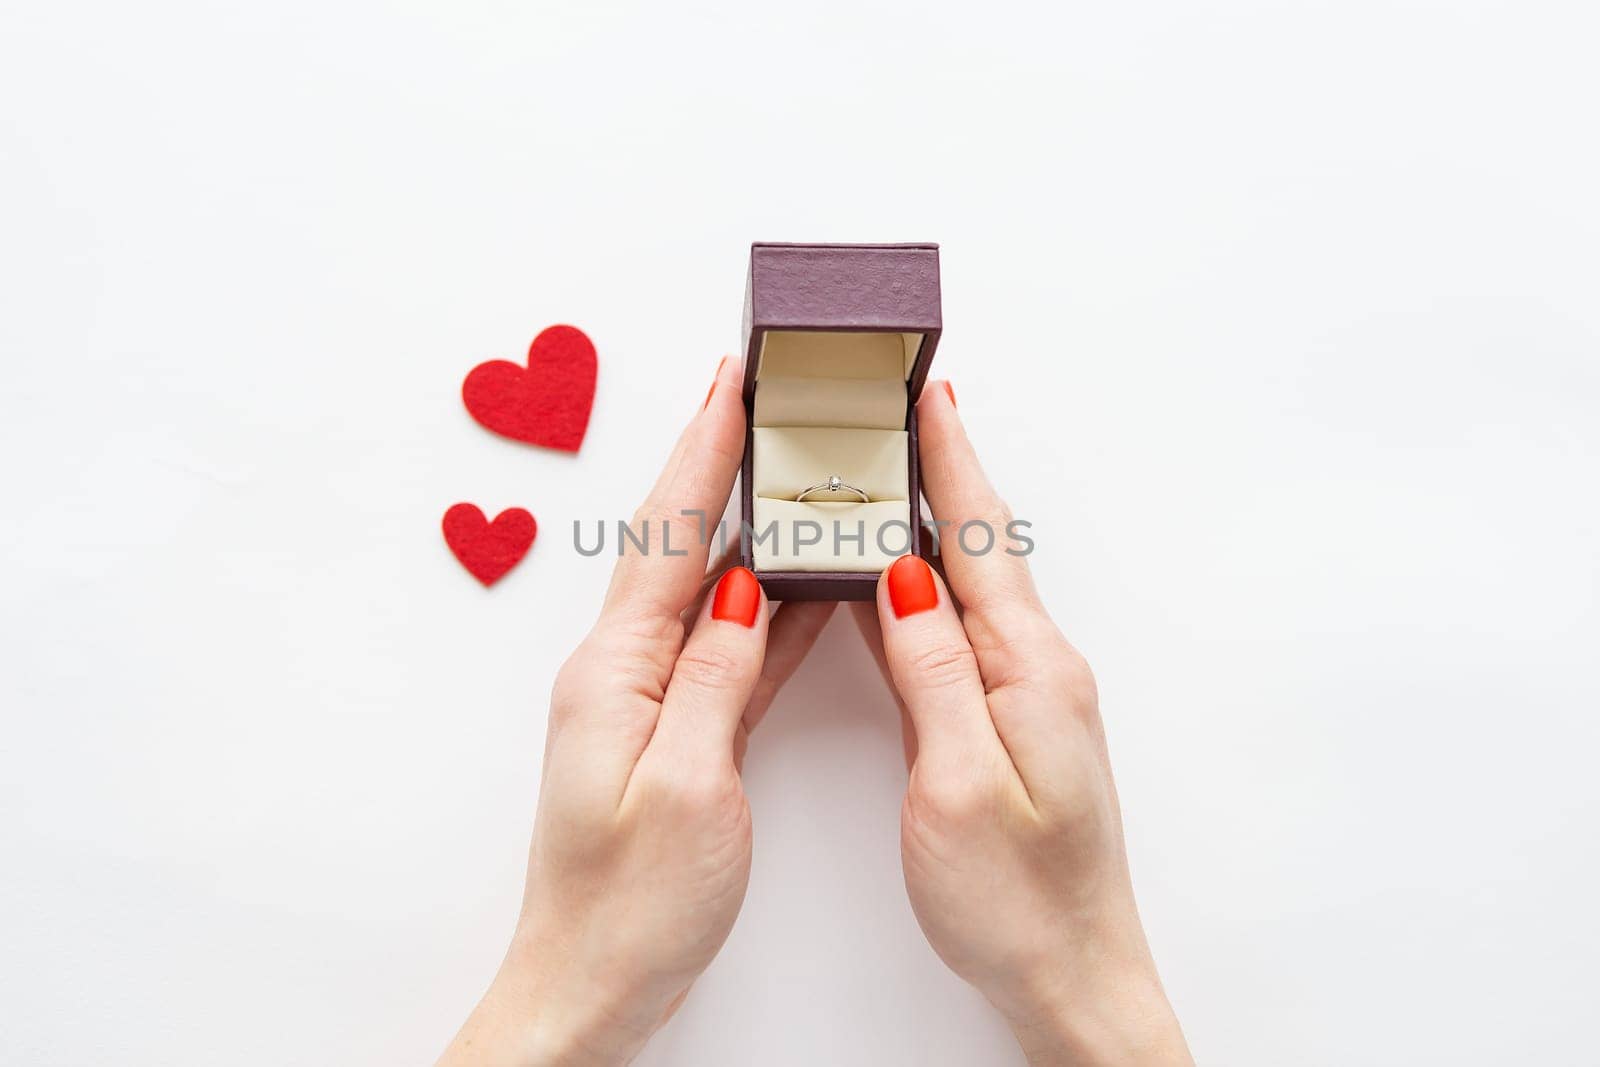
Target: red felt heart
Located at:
point(488, 549)
point(545, 403)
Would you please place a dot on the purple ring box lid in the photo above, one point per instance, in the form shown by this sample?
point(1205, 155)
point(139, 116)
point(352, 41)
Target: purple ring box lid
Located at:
point(854, 288)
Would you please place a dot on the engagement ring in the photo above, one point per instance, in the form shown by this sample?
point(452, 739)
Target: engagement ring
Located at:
point(834, 486)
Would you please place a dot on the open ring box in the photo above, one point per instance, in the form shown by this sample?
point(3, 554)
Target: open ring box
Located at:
point(838, 340)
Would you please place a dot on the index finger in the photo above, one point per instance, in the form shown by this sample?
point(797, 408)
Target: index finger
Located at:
point(675, 521)
point(983, 560)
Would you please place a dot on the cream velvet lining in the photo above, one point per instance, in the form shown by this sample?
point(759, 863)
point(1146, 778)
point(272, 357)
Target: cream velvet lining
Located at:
point(826, 354)
point(871, 403)
point(831, 403)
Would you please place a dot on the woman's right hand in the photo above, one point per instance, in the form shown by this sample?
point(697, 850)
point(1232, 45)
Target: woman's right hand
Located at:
point(1011, 837)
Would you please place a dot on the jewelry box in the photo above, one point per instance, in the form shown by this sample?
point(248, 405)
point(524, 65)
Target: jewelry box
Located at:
point(838, 340)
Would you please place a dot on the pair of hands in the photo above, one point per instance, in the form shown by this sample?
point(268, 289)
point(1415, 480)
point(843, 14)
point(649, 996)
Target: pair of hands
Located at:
point(1011, 837)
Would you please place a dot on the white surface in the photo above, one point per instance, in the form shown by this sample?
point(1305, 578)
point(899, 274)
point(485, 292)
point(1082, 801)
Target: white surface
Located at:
point(1279, 320)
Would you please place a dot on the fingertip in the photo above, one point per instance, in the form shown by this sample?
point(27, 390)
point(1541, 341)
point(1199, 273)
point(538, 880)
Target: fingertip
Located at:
point(718, 428)
point(939, 424)
point(727, 379)
point(738, 598)
point(716, 380)
point(911, 586)
point(938, 394)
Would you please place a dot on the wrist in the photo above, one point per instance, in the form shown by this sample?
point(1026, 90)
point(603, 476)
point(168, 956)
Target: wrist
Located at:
point(505, 1030)
point(1096, 1000)
point(1122, 1017)
point(566, 1015)
point(541, 1012)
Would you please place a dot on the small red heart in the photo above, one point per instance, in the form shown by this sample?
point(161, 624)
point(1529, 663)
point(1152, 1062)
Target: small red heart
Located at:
point(545, 403)
point(488, 549)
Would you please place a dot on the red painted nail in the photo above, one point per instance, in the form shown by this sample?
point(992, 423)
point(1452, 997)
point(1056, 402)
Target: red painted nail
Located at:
point(738, 598)
point(911, 587)
point(709, 392)
point(949, 392)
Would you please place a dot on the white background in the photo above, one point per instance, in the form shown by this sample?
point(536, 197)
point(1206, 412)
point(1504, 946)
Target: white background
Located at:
point(1279, 321)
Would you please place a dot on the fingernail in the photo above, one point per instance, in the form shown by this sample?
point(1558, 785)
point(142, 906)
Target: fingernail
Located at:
point(709, 392)
point(738, 598)
point(949, 392)
point(911, 587)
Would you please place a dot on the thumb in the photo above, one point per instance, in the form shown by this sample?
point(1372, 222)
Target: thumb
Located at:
point(715, 673)
point(932, 664)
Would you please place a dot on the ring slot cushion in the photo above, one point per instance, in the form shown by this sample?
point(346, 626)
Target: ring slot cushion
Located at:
point(875, 535)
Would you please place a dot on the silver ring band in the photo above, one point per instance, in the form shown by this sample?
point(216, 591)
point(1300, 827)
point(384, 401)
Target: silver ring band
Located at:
point(833, 487)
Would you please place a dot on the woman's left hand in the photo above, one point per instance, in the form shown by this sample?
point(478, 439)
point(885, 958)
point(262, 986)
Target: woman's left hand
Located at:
point(641, 845)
